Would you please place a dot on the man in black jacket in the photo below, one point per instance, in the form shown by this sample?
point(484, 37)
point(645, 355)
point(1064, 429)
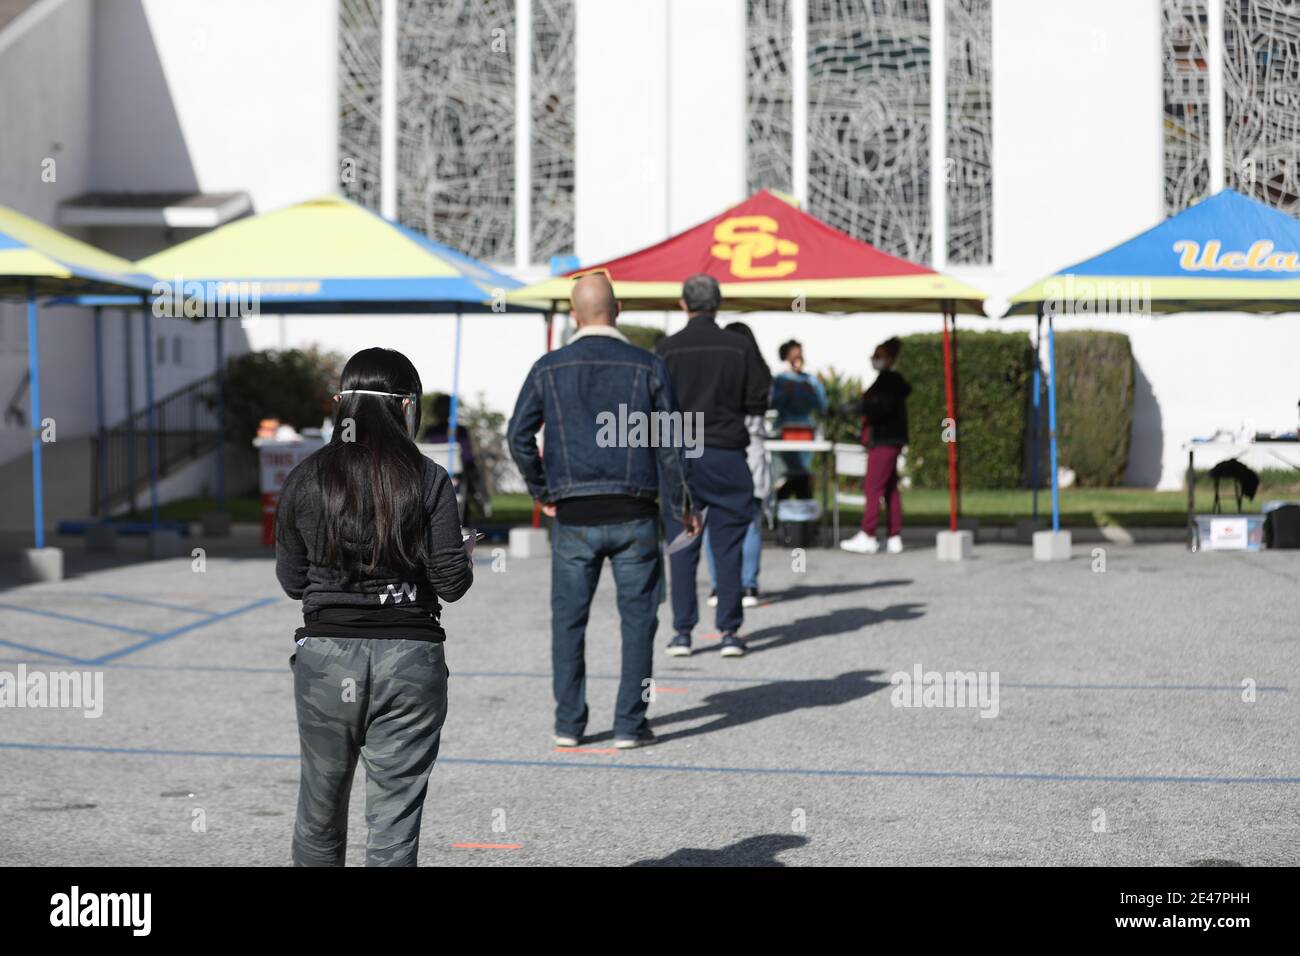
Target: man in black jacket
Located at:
point(721, 377)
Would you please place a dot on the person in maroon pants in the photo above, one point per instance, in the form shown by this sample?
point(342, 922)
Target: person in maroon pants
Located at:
point(884, 431)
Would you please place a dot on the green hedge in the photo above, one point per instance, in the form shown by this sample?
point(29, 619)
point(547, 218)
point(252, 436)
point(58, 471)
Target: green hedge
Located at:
point(995, 372)
point(1094, 406)
point(646, 336)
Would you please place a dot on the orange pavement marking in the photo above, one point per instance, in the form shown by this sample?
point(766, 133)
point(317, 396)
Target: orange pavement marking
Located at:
point(487, 846)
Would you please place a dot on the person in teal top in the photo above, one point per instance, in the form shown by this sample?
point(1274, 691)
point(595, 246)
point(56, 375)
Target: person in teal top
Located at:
point(797, 398)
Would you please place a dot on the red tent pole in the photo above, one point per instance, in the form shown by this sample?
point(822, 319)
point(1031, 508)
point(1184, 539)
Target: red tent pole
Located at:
point(952, 417)
point(956, 391)
point(537, 509)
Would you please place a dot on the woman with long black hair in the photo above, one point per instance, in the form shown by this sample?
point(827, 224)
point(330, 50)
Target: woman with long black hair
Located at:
point(369, 539)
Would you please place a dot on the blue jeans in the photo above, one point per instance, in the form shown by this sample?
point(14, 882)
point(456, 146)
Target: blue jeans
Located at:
point(577, 553)
point(751, 552)
point(721, 481)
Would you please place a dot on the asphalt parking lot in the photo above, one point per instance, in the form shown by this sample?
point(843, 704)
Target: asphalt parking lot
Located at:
point(1145, 714)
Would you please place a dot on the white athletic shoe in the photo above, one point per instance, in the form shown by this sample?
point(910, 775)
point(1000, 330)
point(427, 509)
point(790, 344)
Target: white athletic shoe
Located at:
point(894, 545)
point(861, 543)
point(564, 741)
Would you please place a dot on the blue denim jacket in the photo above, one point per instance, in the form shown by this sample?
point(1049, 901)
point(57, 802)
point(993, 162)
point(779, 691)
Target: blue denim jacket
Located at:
point(577, 392)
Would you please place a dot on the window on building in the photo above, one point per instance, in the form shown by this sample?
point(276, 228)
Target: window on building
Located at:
point(359, 78)
point(456, 128)
point(176, 349)
point(552, 103)
point(160, 350)
point(1261, 85)
point(769, 96)
point(1186, 103)
point(869, 121)
point(969, 164)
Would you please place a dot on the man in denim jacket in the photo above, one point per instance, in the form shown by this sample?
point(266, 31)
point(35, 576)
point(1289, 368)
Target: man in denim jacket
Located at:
point(614, 435)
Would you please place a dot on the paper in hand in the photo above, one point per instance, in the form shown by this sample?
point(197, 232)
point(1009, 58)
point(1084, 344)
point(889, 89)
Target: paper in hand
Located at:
point(684, 540)
point(469, 538)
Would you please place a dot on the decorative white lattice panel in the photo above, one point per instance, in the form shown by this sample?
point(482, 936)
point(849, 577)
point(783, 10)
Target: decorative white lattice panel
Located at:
point(869, 121)
point(968, 167)
point(1261, 67)
point(769, 95)
point(359, 76)
point(552, 96)
point(1186, 103)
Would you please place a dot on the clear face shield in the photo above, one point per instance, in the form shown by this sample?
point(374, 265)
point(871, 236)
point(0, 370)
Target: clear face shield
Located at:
point(409, 410)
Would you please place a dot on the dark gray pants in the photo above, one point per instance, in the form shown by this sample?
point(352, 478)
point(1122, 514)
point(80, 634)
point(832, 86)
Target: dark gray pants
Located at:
point(383, 701)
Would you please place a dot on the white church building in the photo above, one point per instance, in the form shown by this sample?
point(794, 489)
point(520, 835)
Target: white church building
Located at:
point(997, 140)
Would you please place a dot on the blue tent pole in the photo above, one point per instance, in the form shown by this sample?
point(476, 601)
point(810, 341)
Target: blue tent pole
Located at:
point(127, 335)
point(1051, 420)
point(34, 370)
point(1038, 385)
point(221, 416)
point(151, 416)
point(100, 429)
point(454, 413)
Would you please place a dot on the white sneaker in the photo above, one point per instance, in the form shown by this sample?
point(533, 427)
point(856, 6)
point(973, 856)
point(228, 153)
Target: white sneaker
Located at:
point(562, 740)
point(861, 543)
point(894, 545)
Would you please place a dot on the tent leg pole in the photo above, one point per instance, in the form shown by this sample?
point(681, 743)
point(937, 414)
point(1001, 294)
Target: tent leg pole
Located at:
point(151, 416)
point(221, 413)
point(129, 407)
point(34, 370)
point(952, 445)
point(1051, 421)
point(956, 399)
point(101, 429)
point(1038, 384)
point(454, 413)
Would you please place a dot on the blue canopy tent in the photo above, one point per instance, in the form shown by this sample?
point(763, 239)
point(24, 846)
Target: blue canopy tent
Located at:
point(1227, 253)
point(37, 261)
point(321, 257)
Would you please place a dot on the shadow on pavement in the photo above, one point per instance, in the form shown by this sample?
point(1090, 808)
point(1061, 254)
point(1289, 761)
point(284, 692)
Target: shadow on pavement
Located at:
point(841, 621)
point(826, 590)
point(751, 851)
point(732, 708)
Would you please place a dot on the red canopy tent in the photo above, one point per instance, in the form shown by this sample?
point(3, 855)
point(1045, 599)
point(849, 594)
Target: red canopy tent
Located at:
point(768, 255)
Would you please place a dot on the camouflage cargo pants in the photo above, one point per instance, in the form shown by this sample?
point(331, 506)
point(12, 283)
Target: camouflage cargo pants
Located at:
point(383, 701)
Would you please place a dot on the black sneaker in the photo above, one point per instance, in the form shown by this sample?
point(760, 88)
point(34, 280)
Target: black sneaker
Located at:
point(680, 646)
point(732, 646)
point(750, 598)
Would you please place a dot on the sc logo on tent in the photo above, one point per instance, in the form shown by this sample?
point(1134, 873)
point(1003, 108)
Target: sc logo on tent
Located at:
point(742, 239)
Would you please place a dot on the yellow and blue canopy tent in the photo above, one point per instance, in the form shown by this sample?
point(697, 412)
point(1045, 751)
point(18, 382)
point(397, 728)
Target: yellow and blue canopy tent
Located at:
point(1227, 253)
point(769, 255)
point(324, 256)
point(37, 261)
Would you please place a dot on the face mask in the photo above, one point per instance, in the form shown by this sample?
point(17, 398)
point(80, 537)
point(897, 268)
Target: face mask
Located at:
point(408, 411)
point(878, 364)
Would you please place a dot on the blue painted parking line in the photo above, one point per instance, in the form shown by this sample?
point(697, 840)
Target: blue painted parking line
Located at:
point(993, 775)
point(42, 651)
point(146, 602)
point(72, 618)
point(177, 632)
point(150, 637)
